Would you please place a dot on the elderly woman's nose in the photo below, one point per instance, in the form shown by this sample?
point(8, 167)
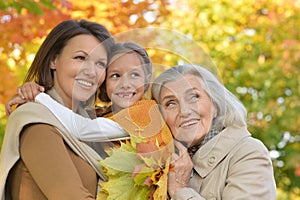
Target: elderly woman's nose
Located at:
point(185, 109)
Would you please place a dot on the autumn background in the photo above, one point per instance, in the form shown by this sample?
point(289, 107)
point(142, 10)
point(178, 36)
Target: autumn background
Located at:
point(255, 45)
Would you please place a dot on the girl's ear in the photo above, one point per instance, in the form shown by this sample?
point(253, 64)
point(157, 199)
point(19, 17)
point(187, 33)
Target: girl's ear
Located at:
point(53, 62)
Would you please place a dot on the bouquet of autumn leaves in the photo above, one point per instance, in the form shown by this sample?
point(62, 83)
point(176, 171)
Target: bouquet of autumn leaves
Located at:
point(138, 169)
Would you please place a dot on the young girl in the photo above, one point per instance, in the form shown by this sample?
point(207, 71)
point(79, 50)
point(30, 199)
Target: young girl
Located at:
point(127, 79)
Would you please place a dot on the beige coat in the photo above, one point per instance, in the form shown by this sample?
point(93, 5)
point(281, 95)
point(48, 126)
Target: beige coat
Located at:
point(231, 166)
point(37, 113)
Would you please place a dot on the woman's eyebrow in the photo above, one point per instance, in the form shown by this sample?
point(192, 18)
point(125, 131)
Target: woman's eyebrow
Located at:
point(192, 90)
point(168, 97)
point(81, 51)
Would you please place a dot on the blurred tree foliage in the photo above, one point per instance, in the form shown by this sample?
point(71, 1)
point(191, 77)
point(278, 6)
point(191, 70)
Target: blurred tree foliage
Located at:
point(255, 45)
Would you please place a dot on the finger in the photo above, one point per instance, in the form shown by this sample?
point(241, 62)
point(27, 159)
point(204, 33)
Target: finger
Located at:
point(20, 93)
point(13, 101)
point(41, 88)
point(181, 148)
point(8, 109)
point(175, 156)
point(26, 89)
point(34, 90)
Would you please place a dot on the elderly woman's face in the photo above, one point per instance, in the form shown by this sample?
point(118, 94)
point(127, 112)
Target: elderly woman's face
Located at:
point(187, 108)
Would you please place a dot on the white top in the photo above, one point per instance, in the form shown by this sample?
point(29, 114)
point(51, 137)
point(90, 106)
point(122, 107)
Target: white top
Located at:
point(91, 130)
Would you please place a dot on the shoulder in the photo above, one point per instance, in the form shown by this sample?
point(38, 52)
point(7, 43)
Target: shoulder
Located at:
point(250, 144)
point(242, 140)
point(31, 107)
point(240, 145)
point(30, 113)
point(249, 152)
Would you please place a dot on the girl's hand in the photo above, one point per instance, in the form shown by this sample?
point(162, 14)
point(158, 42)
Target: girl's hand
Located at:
point(29, 90)
point(25, 93)
point(182, 164)
point(16, 99)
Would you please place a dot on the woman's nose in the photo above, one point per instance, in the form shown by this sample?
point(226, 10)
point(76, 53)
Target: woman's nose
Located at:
point(89, 69)
point(185, 109)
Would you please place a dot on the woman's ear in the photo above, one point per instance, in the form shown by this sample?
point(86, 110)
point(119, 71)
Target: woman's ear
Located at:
point(53, 63)
point(215, 111)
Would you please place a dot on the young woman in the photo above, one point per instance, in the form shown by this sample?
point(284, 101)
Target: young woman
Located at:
point(217, 157)
point(39, 158)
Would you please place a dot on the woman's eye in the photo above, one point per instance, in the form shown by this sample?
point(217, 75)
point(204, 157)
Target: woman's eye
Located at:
point(194, 96)
point(101, 64)
point(170, 104)
point(79, 58)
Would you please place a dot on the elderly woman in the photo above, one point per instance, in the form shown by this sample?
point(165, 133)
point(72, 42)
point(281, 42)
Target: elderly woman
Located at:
point(217, 158)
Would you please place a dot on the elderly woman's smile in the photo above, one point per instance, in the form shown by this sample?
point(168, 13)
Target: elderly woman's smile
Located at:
point(188, 109)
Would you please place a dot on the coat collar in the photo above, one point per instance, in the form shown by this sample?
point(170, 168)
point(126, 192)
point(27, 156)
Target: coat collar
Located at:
point(210, 154)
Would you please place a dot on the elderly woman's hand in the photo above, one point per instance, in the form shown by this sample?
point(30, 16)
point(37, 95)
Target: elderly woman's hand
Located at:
point(180, 175)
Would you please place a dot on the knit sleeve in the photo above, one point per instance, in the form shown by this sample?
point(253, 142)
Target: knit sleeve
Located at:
point(85, 129)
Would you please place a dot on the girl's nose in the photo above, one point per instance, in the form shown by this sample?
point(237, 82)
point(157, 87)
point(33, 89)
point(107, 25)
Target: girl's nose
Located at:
point(125, 82)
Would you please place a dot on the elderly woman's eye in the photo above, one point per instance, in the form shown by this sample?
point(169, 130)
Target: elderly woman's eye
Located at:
point(170, 104)
point(195, 96)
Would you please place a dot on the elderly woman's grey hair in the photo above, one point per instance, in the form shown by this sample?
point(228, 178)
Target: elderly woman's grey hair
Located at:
point(230, 110)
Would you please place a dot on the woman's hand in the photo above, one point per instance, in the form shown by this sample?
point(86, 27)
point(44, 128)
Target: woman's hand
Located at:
point(25, 93)
point(180, 175)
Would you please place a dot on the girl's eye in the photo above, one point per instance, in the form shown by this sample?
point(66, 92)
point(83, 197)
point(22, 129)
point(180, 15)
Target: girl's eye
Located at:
point(79, 58)
point(134, 74)
point(115, 76)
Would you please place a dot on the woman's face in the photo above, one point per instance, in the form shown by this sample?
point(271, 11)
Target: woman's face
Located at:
point(125, 80)
point(187, 108)
point(79, 69)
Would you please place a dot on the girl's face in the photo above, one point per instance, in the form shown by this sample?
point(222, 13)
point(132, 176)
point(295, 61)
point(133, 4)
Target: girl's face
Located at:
point(125, 80)
point(187, 108)
point(79, 69)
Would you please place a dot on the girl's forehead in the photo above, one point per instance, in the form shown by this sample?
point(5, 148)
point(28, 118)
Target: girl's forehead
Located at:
point(126, 61)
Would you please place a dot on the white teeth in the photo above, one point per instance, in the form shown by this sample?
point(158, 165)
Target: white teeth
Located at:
point(188, 123)
point(82, 82)
point(126, 96)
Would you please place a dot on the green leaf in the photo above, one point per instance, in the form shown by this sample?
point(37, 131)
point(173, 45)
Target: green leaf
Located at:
point(48, 4)
point(139, 193)
point(121, 160)
point(143, 175)
point(2, 5)
point(117, 187)
point(33, 7)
